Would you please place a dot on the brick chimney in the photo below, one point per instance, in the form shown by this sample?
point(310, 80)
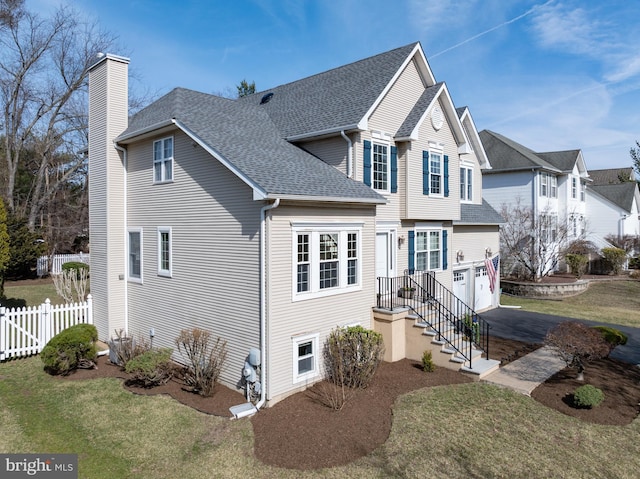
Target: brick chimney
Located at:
point(108, 118)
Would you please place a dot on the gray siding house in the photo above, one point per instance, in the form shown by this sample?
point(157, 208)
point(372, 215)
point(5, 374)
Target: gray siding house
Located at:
point(272, 219)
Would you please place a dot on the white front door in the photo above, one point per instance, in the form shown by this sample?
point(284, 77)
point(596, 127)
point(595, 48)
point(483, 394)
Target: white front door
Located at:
point(384, 257)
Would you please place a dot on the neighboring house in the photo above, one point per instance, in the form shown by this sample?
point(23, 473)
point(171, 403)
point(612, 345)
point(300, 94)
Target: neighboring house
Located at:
point(551, 184)
point(272, 219)
point(613, 203)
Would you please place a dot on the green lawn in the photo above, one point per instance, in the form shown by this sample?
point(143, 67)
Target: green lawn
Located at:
point(462, 431)
point(21, 292)
point(615, 302)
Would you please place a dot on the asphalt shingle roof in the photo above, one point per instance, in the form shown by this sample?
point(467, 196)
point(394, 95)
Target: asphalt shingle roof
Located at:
point(505, 154)
point(620, 194)
point(418, 110)
point(563, 160)
point(246, 137)
point(479, 214)
point(611, 176)
point(333, 99)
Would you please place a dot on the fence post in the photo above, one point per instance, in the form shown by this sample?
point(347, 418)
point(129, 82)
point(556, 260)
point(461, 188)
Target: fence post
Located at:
point(44, 331)
point(3, 336)
point(89, 309)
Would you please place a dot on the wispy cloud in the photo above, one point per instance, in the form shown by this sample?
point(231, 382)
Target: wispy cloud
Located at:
point(589, 31)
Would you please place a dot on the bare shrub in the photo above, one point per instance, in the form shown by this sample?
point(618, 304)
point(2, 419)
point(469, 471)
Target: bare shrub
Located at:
point(206, 357)
point(351, 358)
point(576, 343)
point(72, 284)
point(125, 348)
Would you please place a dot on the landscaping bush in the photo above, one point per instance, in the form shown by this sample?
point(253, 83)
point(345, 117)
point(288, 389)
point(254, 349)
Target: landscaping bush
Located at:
point(577, 263)
point(634, 263)
point(427, 362)
point(205, 359)
point(77, 266)
point(612, 336)
point(587, 396)
point(123, 348)
point(70, 349)
point(352, 356)
point(614, 258)
point(576, 343)
point(151, 368)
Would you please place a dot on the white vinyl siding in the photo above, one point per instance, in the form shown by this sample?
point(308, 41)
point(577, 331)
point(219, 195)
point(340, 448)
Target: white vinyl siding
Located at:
point(214, 252)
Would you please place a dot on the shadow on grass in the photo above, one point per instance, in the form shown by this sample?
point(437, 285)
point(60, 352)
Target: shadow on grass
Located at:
point(13, 303)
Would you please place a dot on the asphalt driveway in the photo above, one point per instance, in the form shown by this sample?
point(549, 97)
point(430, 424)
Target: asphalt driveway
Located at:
point(532, 328)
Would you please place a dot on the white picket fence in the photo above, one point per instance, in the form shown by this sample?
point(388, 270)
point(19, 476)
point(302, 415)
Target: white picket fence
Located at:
point(25, 331)
point(58, 260)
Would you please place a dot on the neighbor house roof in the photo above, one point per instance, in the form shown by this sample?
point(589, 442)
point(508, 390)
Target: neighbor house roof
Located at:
point(243, 137)
point(483, 214)
point(505, 154)
point(611, 176)
point(620, 194)
point(334, 100)
point(563, 160)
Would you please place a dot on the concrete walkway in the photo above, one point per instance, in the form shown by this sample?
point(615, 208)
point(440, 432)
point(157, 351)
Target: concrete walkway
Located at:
point(525, 374)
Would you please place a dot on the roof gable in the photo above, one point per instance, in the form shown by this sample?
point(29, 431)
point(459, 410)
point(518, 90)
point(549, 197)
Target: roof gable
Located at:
point(620, 194)
point(471, 134)
point(611, 176)
point(243, 138)
point(506, 154)
point(339, 99)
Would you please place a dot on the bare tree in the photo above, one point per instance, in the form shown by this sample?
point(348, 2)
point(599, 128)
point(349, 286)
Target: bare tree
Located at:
point(43, 74)
point(530, 243)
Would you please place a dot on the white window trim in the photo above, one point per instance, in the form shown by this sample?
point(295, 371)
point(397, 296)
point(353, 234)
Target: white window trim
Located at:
point(296, 341)
point(466, 168)
point(388, 165)
point(544, 184)
point(163, 160)
point(314, 230)
point(165, 272)
point(130, 278)
point(415, 247)
point(553, 186)
point(583, 191)
point(440, 153)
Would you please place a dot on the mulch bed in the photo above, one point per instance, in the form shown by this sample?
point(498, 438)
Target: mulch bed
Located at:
point(301, 432)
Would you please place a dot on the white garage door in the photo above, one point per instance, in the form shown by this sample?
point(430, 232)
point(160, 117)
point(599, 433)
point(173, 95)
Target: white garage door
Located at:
point(482, 292)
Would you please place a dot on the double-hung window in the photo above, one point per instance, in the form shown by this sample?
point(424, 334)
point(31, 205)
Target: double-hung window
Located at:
point(544, 179)
point(380, 170)
point(583, 190)
point(326, 259)
point(164, 251)
point(435, 173)
point(163, 160)
point(553, 186)
point(428, 250)
point(466, 183)
point(134, 266)
point(305, 357)
point(574, 187)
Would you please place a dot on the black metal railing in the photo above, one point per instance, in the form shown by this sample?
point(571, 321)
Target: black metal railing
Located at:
point(453, 321)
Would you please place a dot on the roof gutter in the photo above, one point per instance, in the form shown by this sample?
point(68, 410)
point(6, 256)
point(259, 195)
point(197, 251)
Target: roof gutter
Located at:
point(349, 154)
point(124, 202)
point(263, 299)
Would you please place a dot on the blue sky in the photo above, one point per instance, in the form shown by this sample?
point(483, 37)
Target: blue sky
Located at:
point(552, 75)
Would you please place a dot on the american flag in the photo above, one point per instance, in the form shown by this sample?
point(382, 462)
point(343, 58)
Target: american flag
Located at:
point(492, 265)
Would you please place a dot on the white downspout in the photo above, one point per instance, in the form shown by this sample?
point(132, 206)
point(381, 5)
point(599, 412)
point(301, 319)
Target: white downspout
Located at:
point(263, 299)
point(349, 154)
point(126, 289)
